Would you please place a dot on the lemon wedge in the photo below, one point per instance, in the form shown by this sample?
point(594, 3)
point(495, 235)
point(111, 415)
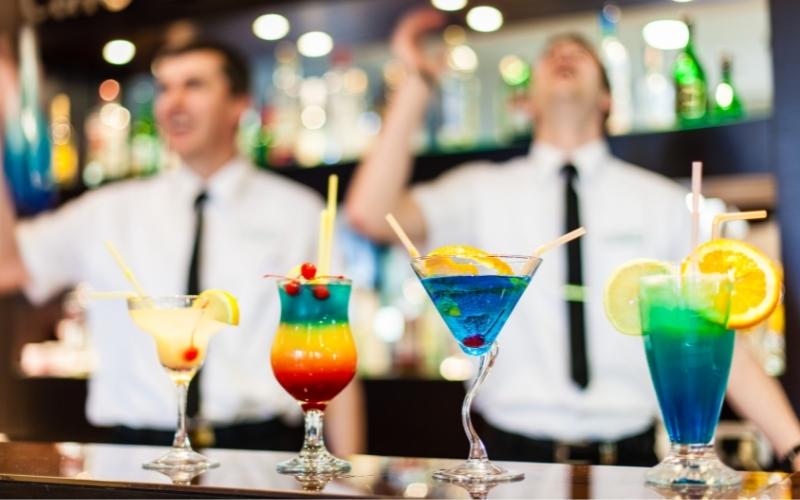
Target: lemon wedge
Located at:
point(621, 294)
point(220, 305)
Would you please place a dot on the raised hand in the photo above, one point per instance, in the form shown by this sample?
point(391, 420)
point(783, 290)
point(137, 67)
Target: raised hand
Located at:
point(407, 41)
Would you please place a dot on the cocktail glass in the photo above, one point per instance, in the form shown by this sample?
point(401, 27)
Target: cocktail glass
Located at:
point(689, 351)
point(314, 358)
point(475, 306)
point(181, 328)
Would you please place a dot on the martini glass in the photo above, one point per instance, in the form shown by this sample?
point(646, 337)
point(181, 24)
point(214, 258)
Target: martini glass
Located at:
point(475, 298)
point(314, 358)
point(689, 351)
point(181, 328)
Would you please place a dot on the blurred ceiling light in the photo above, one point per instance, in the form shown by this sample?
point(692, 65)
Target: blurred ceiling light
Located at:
point(463, 58)
point(724, 95)
point(109, 90)
point(119, 52)
point(115, 5)
point(514, 70)
point(449, 5)
point(271, 27)
point(682, 1)
point(314, 44)
point(455, 35)
point(666, 34)
point(484, 18)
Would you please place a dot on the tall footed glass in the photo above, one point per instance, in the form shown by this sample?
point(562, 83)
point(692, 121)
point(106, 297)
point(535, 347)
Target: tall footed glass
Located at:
point(314, 358)
point(475, 298)
point(689, 350)
point(181, 327)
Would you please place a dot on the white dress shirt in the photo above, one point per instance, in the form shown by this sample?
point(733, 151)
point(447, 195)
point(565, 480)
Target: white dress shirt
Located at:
point(255, 223)
point(628, 213)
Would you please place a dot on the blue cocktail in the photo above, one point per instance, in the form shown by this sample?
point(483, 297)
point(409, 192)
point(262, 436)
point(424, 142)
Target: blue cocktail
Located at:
point(475, 296)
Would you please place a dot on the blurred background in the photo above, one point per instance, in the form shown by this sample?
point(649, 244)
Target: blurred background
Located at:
point(322, 73)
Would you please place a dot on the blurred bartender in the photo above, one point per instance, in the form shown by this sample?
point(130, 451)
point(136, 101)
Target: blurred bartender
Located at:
point(567, 386)
point(212, 222)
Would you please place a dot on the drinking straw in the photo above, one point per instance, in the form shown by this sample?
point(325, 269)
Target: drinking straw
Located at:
point(575, 233)
point(323, 229)
point(404, 239)
point(330, 219)
point(546, 247)
point(125, 269)
point(716, 224)
point(697, 180)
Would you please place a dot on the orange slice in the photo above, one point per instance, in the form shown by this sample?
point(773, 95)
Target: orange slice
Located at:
point(756, 281)
point(450, 266)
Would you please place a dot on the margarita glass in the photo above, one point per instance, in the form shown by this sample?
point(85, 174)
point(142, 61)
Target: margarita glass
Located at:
point(475, 298)
point(181, 326)
point(314, 358)
point(689, 349)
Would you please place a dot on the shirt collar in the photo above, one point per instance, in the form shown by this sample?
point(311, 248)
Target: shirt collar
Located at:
point(220, 186)
point(549, 159)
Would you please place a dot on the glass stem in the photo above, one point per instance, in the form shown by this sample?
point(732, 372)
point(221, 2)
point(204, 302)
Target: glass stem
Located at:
point(314, 441)
point(476, 449)
point(181, 435)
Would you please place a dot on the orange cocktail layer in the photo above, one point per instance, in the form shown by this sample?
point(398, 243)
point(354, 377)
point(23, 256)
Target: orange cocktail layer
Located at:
point(313, 363)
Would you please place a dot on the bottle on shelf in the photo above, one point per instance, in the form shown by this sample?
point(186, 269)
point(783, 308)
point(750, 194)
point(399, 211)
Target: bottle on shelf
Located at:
point(617, 63)
point(655, 93)
point(727, 105)
point(65, 153)
point(691, 90)
point(514, 121)
point(460, 94)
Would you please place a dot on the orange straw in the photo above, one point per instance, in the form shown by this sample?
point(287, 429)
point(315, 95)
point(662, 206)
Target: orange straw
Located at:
point(716, 225)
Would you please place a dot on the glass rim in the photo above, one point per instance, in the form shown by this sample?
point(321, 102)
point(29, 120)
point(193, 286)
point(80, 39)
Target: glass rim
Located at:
point(423, 258)
point(332, 280)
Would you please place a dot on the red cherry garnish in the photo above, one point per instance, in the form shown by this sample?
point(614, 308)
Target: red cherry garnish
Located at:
point(292, 287)
point(191, 353)
point(321, 292)
point(473, 341)
point(308, 270)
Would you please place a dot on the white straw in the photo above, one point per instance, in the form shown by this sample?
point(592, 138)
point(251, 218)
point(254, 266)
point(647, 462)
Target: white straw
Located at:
point(125, 269)
point(546, 247)
point(404, 239)
point(697, 180)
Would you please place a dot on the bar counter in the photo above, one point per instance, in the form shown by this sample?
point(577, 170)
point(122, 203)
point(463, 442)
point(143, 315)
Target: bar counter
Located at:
point(72, 470)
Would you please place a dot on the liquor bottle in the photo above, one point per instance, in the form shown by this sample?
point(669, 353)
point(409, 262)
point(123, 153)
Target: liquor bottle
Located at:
point(146, 146)
point(727, 105)
point(617, 63)
point(64, 153)
point(655, 107)
point(691, 91)
point(460, 100)
point(514, 120)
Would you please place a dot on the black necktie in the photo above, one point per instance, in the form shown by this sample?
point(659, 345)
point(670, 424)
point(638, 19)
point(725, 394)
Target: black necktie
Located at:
point(579, 369)
point(193, 288)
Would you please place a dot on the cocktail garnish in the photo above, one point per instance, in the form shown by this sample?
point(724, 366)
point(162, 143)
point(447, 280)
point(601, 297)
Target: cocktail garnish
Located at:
point(756, 280)
point(292, 287)
point(321, 292)
point(621, 294)
point(220, 305)
point(474, 341)
point(308, 270)
point(191, 353)
point(443, 259)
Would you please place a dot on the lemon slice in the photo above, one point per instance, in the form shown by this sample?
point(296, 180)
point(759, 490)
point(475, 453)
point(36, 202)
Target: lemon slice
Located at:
point(446, 265)
point(756, 280)
point(221, 305)
point(621, 294)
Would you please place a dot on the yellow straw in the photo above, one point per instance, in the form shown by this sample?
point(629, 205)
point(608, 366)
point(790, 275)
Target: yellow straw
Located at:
point(333, 188)
point(716, 225)
point(404, 239)
point(107, 295)
point(125, 269)
point(575, 233)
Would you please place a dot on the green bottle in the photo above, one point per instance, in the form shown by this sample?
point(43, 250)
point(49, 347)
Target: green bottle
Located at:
point(727, 105)
point(691, 91)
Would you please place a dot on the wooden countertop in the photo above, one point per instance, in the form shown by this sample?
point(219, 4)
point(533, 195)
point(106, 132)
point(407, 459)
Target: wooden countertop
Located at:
point(72, 470)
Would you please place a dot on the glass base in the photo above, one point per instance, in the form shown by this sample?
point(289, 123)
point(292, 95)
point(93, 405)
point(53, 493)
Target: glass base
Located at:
point(477, 471)
point(314, 464)
point(690, 467)
point(182, 460)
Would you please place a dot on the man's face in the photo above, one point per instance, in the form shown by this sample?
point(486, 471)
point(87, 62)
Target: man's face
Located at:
point(568, 72)
point(195, 110)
